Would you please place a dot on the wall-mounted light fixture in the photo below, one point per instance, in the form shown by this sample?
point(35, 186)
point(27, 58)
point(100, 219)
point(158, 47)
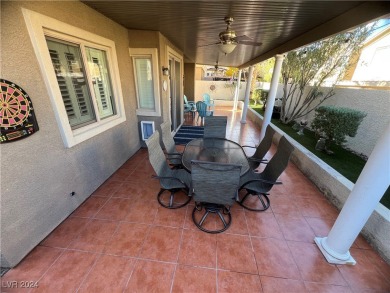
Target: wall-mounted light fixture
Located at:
point(165, 71)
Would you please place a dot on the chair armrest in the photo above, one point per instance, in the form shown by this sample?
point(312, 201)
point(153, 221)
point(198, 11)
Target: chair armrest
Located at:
point(249, 146)
point(258, 160)
point(260, 180)
point(171, 178)
point(177, 155)
point(173, 154)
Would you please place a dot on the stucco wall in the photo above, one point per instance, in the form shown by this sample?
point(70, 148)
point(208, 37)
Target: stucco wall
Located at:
point(374, 102)
point(153, 39)
point(189, 80)
point(144, 39)
point(38, 172)
point(223, 90)
point(164, 43)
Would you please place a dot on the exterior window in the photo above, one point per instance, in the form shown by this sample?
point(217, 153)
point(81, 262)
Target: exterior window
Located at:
point(70, 73)
point(81, 74)
point(146, 81)
point(97, 62)
point(69, 69)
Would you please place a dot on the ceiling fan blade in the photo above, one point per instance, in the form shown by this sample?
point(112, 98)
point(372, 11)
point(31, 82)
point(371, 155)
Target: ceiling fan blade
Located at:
point(250, 43)
point(210, 44)
point(245, 40)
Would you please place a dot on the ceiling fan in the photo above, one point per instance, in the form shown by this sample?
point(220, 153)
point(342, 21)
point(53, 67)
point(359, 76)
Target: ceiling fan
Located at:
point(228, 40)
point(216, 66)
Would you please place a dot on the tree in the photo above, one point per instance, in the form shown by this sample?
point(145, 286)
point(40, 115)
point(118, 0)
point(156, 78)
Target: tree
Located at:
point(265, 69)
point(231, 72)
point(261, 72)
point(305, 71)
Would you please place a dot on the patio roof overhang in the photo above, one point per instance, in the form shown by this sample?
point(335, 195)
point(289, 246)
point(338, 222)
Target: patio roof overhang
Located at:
point(280, 26)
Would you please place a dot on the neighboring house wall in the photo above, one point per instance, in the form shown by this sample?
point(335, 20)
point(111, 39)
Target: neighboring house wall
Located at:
point(39, 172)
point(199, 72)
point(207, 72)
point(374, 60)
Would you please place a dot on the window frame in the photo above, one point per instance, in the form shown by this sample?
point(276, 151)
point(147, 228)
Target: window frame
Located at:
point(153, 54)
point(39, 26)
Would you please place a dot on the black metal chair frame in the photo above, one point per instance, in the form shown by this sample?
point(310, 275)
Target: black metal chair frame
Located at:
point(262, 149)
point(214, 209)
point(266, 204)
point(222, 200)
point(170, 179)
point(267, 179)
point(172, 196)
point(173, 156)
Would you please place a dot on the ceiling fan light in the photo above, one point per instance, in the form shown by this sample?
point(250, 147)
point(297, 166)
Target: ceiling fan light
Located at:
point(227, 48)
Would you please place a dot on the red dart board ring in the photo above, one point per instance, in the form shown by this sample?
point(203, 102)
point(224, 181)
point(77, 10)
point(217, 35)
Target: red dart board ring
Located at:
point(17, 119)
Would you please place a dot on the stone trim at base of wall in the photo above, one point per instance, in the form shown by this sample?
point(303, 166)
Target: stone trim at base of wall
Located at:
point(336, 188)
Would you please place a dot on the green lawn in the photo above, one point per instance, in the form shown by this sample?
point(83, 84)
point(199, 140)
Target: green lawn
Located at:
point(345, 162)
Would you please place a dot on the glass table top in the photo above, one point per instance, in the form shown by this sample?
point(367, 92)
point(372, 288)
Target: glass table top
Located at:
point(218, 150)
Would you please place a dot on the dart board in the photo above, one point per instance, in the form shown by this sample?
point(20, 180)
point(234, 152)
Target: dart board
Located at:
point(17, 119)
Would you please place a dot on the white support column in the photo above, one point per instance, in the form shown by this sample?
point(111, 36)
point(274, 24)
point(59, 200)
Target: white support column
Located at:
point(237, 91)
point(272, 94)
point(247, 93)
point(365, 196)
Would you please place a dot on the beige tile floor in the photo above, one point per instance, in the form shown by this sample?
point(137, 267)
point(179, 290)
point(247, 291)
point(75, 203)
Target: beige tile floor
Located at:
point(121, 240)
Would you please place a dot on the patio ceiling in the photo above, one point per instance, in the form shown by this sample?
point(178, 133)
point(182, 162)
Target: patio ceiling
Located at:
point(279, 26)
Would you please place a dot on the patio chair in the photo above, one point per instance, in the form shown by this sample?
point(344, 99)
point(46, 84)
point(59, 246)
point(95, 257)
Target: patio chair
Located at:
point(259, 184)
point(201, 108)
point(214, 188)
point(173, 156)
point(215, 126)
point(208, 101)
point(262, 149)
point(170, 180)
point(189, 107)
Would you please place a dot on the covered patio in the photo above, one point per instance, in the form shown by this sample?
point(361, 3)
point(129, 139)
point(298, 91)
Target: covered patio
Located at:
point(121, 240)
point(79, 210)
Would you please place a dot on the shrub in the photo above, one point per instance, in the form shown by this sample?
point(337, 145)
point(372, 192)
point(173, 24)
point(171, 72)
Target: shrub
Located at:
point(256, 96)
point(335, 123)
point(264, 97)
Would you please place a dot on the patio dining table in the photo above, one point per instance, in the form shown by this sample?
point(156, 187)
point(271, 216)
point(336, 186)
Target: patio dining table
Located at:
point(219, 150)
